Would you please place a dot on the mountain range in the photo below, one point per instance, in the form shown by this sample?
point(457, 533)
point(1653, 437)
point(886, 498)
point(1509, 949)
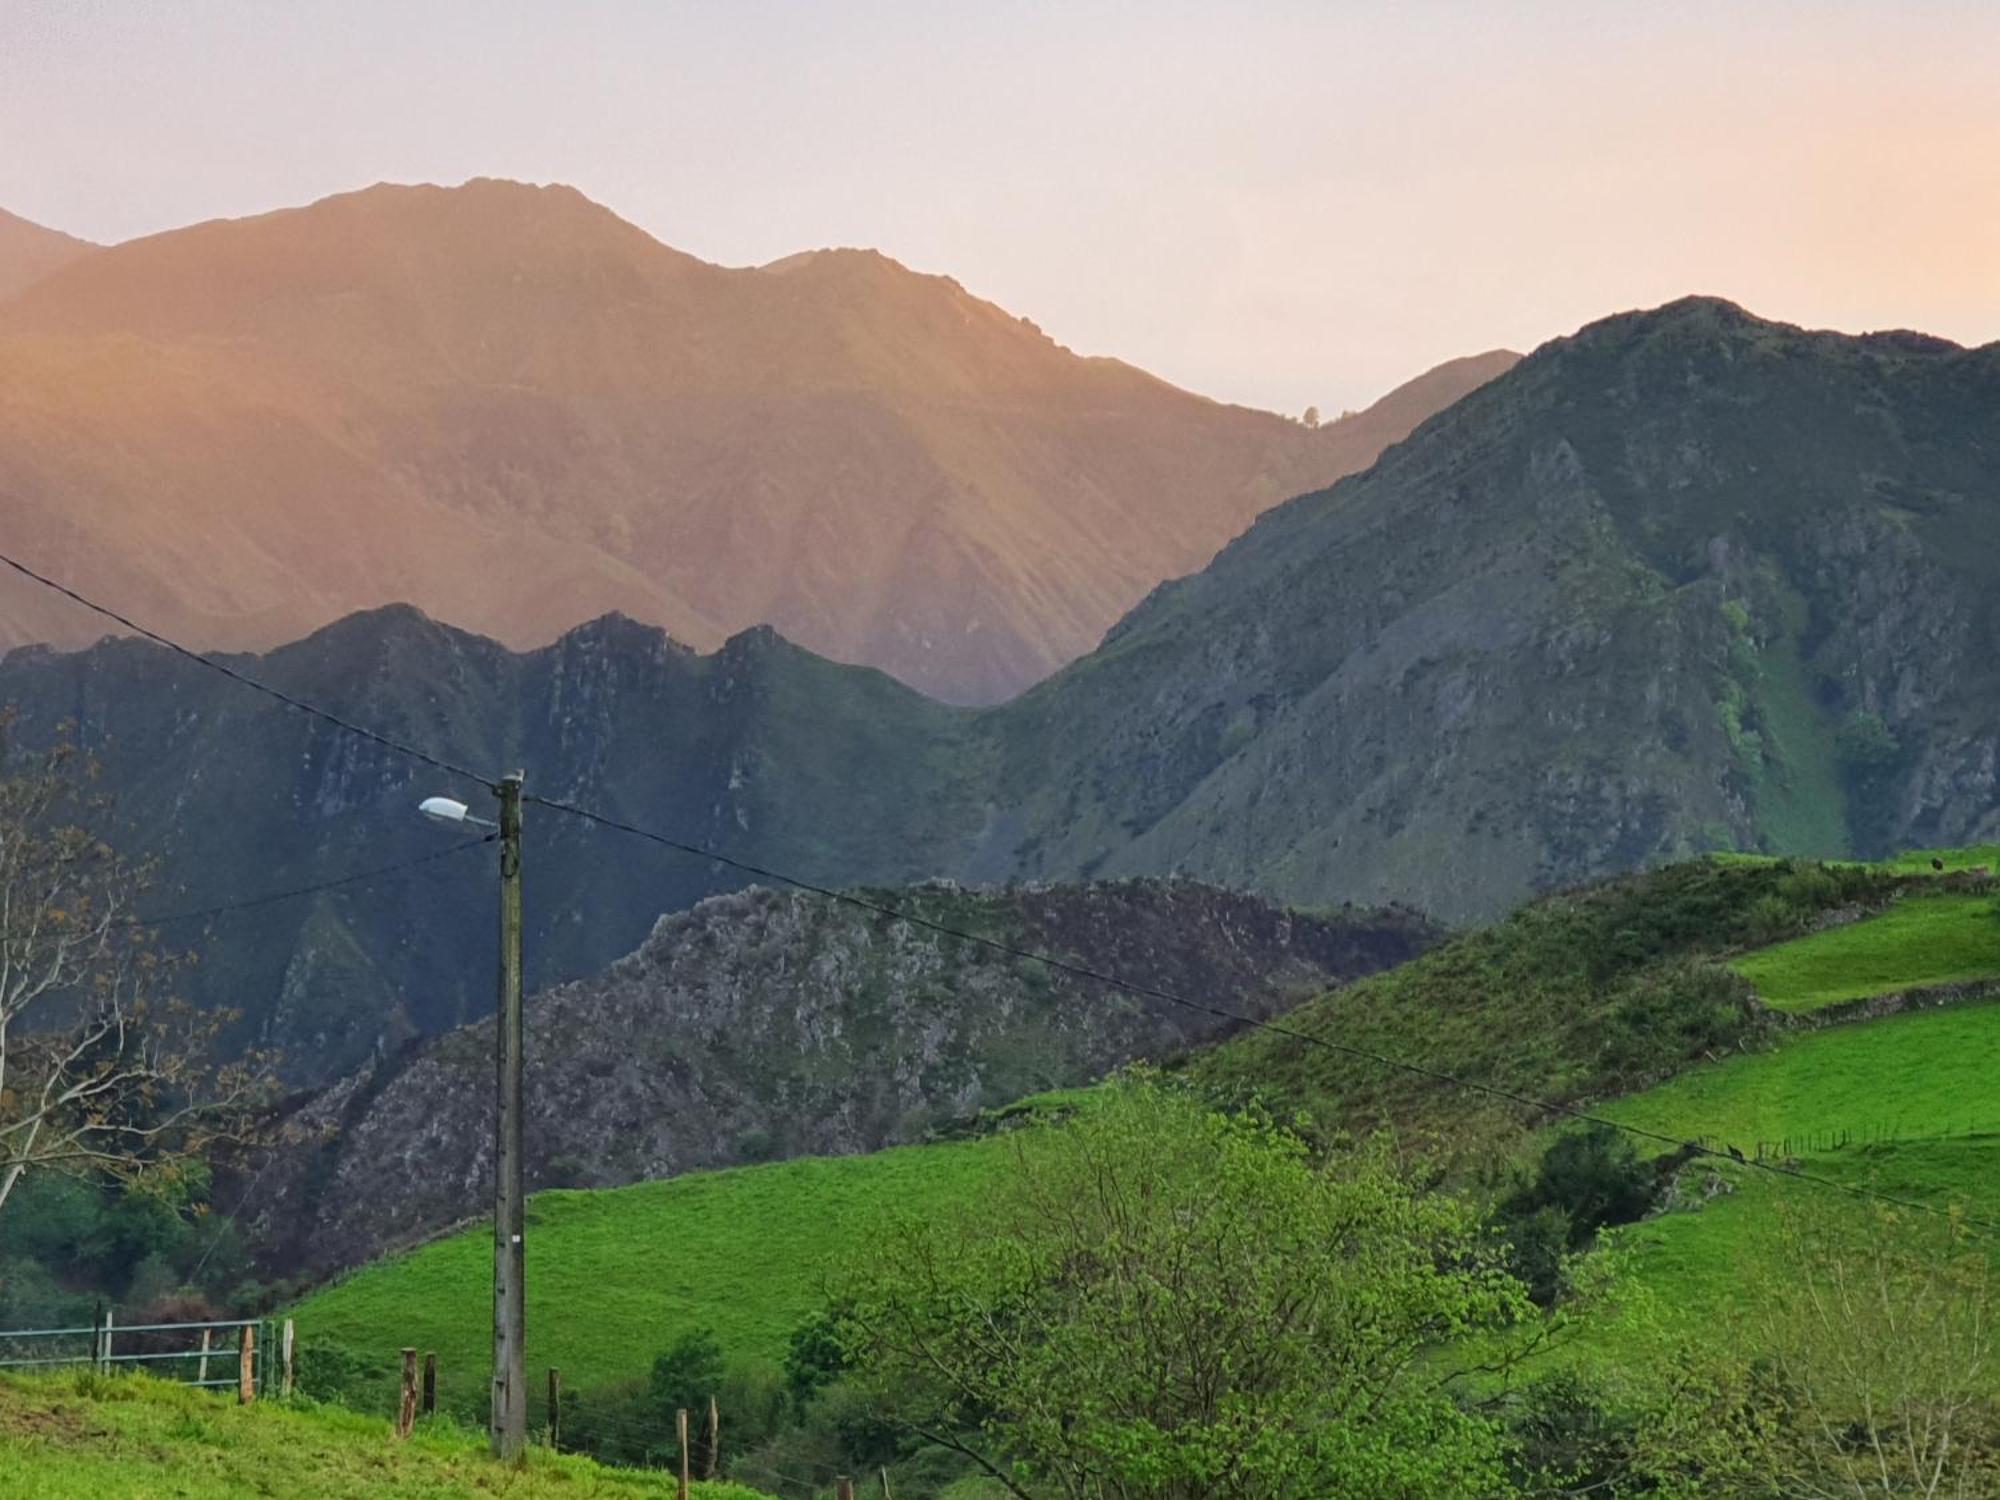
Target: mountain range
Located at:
point(512, 408)
point(1685, 580)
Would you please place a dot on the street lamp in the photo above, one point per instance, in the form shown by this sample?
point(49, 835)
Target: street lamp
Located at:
point(450, 811)
point(509, 1420)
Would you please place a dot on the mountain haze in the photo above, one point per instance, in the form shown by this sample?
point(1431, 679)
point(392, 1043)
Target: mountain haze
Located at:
point(512, 408)
point(28, 252)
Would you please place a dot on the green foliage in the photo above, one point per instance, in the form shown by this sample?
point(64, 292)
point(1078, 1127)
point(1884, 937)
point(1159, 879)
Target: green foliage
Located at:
point(31, 1297)
point(327, 1371)
point(1577, 996)
point(637, 1421)
point(1867, 746)
point(816, 1357)
point(1588, 1178)
point(1595, 1176)
point(1187, 1303)
point(128, 1437)
point(132, 1245)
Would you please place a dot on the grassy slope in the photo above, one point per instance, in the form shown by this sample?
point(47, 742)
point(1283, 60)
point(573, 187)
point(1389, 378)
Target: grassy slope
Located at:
point(1581, 996)
point(1924, 1080)
point(1909, 1077)
point(614, 1277)
point(132, 1438)
point(1924, 939)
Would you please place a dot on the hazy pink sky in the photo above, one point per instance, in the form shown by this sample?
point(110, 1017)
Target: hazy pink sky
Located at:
point(1277, 203)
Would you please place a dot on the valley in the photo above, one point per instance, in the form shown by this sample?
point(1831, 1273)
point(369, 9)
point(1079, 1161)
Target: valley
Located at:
point(827, 753)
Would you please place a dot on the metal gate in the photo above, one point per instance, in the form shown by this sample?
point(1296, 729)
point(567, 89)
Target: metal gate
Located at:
point(205, 1354)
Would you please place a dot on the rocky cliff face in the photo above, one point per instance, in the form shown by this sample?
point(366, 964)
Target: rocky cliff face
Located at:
point(764, 1024)
point(1687, 580)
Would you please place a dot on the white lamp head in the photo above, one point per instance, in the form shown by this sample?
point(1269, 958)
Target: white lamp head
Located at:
point(443, 810)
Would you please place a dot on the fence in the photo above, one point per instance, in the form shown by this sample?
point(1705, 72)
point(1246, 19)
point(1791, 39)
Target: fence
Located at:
point(230, 1352)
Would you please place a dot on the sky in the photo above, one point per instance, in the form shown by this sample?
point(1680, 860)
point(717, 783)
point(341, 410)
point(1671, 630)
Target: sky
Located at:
point(1278, 202)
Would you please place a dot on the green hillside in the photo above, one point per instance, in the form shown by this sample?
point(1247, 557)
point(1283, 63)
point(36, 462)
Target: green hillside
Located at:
point(1580, 996)
point(85, 1437)
point(1915, 1076)
point(1927, 938)
point(615, 1276)
point(1903, 1106)
point(1609, 996)
point(1583, 995)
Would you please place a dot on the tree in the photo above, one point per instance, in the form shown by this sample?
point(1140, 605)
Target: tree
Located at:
point(1883, 1358)
point(1163, 1301)
point(687, 1374)
point(1311, 417)
point(100, 1069)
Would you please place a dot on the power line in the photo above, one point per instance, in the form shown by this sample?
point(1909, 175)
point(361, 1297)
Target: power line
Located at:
point(1081, 971)
point(1275, 1028)
point(271, 898)
point(357, 878)
point(248, 681)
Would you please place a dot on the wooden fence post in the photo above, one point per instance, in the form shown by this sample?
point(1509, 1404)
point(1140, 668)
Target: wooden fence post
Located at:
point(681, 1428)
point(287, 1343)
point(246, 1365)
point(843, 1488)
point(712, 1447)
point(555, 1406)
point(201, 1370)
point(430, 1400)
point(104, 1342)
point(406, 1407)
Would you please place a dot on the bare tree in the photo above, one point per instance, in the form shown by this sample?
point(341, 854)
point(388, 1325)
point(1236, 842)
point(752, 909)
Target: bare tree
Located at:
point(100, 1068)
point(1882, 1349)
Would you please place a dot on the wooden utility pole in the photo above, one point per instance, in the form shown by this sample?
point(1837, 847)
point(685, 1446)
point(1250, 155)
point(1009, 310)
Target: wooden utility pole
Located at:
point(246, 1365)
point(406, 1402)
point(510, 1376)
point(712, 1447)
point(681, 1428)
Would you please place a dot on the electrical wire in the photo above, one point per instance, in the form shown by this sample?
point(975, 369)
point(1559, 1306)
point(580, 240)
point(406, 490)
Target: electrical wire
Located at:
point(271, 898)
point(298, 704)
point(1081, 971)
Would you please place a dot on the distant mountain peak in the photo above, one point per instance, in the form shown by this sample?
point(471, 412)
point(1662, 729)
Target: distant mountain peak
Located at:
point(1703, 317)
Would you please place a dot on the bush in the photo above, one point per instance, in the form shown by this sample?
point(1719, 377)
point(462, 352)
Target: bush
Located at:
point(1085, 1353)
point(332, 1372)
point(1588, 1179)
